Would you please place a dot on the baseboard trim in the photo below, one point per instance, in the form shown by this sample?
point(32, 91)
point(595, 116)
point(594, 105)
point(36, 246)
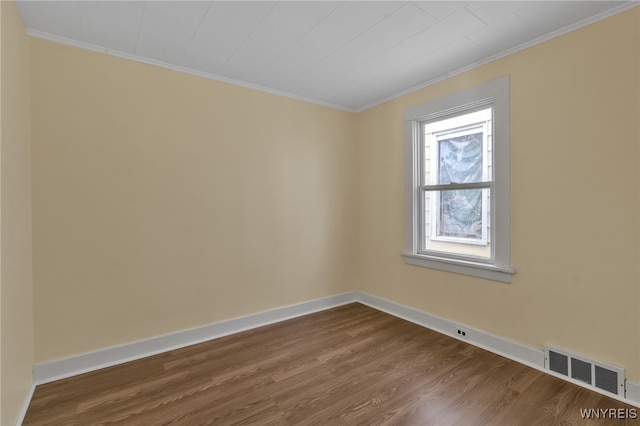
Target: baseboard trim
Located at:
point(25, 405)
point(84, 363)
point(515, 351)
point(632, 393)
point(498, 345)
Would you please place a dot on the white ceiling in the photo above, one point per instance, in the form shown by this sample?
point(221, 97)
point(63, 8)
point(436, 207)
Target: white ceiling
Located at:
point(346, 54)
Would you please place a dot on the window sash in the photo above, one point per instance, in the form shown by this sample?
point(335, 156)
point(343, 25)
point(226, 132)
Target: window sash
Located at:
point(422, 226)
point(435, 211)
point(424, 230)
point(420, 212)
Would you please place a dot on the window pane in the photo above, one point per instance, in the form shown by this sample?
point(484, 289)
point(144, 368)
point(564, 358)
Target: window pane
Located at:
point(461, 159)
point(457, 222)
point(460, 214)
point(457, 149)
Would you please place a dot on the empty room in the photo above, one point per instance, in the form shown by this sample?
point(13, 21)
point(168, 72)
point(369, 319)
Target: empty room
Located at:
point(319, 212)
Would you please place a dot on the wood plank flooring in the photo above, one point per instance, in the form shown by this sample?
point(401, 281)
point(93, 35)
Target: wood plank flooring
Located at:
point(351, 365)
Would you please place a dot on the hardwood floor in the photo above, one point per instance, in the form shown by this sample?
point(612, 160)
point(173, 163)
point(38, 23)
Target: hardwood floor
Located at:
point(350, 365)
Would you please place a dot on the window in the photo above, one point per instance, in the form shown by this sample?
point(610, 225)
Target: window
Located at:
point(457, 182)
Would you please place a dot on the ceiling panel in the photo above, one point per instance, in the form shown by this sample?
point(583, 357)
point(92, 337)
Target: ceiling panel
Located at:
point(441, 9)
point(503, 34)
point(387, 7)
point(371, 85)
point(344, 91)
point(100, 17)
point(338, 29)
point(415, 47)
point(491, 11)
point(224, 29)
point(428, 67)
point(279, 31)
point(365, 94)
point(454, 27)
point(345, 53)
point(550, 16)
point(59, 18)
point(403, 24)
point(168, 27)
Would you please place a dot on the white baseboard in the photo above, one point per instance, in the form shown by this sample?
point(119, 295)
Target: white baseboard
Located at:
point(633, 392)
point(515, 351)
point(84, 363)
point(25, 405)
point(498, 345)
point(524, 354)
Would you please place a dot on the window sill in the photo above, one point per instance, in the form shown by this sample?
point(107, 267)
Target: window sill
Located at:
point(480, 270)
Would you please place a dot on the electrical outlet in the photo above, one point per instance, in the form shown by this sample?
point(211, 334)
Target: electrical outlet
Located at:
point(462, 332)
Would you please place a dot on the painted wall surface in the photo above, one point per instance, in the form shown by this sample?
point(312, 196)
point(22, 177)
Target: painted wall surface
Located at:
point(165, 201)
point(16, 312)
point(574, 204)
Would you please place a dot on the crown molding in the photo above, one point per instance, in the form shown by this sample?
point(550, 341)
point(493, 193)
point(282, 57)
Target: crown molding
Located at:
point(123, 55)
point(136, 58)
point(592, 20)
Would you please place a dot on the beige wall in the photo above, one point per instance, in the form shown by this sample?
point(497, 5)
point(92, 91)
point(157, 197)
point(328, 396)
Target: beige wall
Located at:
point(16, 313)
point(575, 200)
point(165, 201)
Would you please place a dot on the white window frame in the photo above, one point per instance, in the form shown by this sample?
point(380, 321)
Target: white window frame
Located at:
point(498, 266)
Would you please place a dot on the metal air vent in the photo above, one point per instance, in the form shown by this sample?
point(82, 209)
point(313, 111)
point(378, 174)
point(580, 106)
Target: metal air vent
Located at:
point(594, 373)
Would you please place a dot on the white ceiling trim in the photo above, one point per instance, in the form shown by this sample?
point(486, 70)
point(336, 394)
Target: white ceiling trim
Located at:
point(173, 67)
point(136, 58)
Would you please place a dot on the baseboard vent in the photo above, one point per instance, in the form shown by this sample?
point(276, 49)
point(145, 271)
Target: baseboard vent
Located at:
point(594, 373)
